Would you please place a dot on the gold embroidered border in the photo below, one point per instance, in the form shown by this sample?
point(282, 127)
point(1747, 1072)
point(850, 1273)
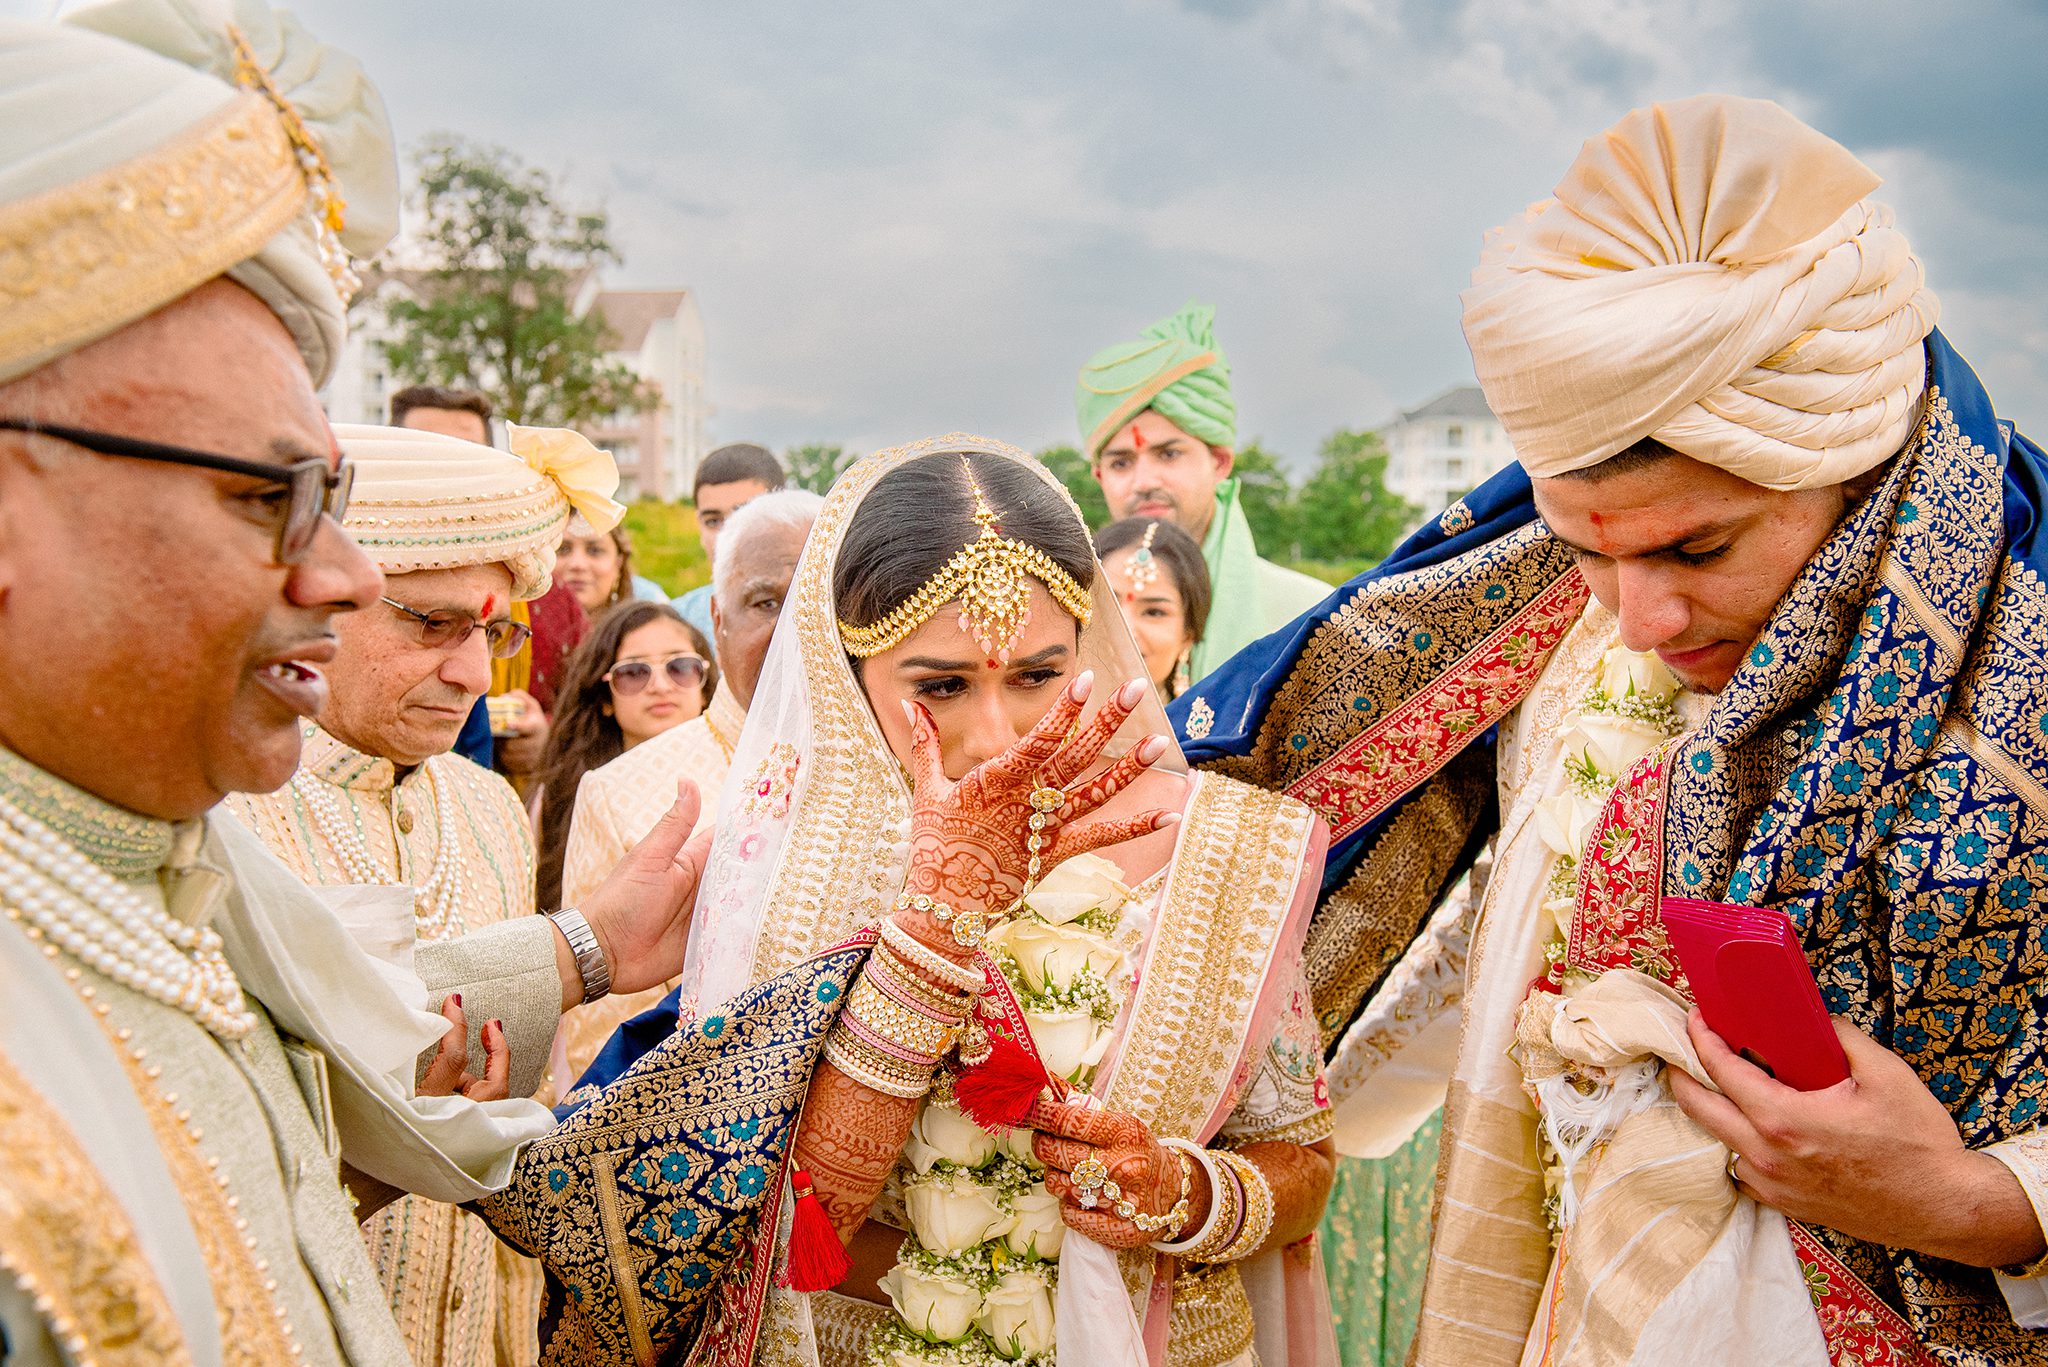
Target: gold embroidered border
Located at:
point(253, 1330)
point(81, 260)
point(1218, 929)
point(67, 1242)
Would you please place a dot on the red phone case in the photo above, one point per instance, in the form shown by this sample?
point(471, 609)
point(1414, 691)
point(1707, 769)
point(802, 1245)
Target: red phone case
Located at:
point(1753, 985)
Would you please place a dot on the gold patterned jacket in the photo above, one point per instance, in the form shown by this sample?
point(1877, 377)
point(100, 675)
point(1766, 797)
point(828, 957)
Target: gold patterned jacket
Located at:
point(141, 1140)
point(462, 1299)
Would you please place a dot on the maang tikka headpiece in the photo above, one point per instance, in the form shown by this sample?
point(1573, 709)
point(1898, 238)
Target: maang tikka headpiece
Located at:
point(991, 577)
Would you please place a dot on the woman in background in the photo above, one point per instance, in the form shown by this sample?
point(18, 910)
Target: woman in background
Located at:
point(598, 568)
point(641, 670)
point(1162, 585)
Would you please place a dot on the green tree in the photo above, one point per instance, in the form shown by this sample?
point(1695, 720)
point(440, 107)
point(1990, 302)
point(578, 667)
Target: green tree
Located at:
point(500, 260)
point(1071, 468)
point(1267, 499)
point(1346, 512)
point(814, 465)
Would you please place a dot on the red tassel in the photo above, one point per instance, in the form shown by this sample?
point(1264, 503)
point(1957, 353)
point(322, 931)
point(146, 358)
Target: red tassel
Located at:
point(998, 1092)
point(817, 1260)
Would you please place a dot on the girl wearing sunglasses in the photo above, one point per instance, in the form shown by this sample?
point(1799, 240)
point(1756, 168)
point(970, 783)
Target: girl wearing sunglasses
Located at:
point(641, 670)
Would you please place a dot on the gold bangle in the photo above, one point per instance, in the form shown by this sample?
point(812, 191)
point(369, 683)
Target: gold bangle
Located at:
point(861, 1070)
point(870, 1009)
point(1258, 1208)
point(903, 982)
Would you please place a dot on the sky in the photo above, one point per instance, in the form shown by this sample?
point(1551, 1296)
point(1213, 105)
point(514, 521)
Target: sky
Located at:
point(906, 218)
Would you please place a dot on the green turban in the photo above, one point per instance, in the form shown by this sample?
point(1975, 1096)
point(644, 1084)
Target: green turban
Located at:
point(1175, 368)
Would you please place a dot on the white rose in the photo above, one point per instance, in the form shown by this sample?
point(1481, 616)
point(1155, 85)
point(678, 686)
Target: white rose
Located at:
point(1017, 1314)
point(1624, 671)
point(1067, 1041)
point(1084, 883)
point(942, 1133)
point(1035, 1224)
point(1612, 744)
point(952, 1213)
point(1560, 910)
point(941, 1309)
point(1564, 820)
point(1017, 1144)
point(1056, 954)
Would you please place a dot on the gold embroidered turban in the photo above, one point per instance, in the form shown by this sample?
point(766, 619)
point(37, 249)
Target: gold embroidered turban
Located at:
point(149, 146)
point(423, 501)
point(1709, 274)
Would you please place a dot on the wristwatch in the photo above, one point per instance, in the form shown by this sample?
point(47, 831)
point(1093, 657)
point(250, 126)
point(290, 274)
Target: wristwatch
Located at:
point(597, 974)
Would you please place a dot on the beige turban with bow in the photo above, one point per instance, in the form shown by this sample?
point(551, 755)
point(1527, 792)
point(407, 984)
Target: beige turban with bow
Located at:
point(149, 146)
point(1709, 274)
point(423, 501)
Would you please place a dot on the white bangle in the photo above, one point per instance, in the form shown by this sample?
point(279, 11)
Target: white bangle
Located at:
point(1200, 1155)
point(961, 977)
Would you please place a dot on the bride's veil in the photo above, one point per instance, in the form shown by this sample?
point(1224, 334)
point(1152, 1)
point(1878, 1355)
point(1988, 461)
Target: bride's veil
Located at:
point(814, 819)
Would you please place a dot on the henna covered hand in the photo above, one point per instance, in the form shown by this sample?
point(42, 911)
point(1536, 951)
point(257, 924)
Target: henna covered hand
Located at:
point(1146, 1171)
point(970, 841)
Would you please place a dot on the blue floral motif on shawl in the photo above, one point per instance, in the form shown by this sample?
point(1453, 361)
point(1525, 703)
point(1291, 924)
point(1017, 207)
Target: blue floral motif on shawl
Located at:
point(1878, 769)
point(669, 1155)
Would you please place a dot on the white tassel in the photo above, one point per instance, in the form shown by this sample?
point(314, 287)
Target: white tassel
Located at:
point(1578, 1122)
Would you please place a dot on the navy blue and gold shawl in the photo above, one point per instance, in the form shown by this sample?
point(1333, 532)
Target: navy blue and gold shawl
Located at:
point(1878, 769)
point(653, 1207)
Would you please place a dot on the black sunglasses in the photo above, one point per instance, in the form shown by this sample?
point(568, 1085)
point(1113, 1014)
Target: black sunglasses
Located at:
point(631, 676)
point(448, 628)
point(315, 486)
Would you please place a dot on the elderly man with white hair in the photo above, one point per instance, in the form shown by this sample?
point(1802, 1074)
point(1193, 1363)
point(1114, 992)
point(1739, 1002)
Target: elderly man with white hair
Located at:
point(189, 1038)
point(619, 803)
point(1757, 620)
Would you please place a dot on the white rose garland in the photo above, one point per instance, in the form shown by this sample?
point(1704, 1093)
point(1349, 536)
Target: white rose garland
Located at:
point(973, 1286)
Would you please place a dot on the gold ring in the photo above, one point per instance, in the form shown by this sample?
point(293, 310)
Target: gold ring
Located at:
point(1733, 1159)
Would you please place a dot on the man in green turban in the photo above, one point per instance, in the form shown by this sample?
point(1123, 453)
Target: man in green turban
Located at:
point(1159, 426)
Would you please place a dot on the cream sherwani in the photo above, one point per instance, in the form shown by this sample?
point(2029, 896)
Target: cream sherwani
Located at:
point(461, 1298)
point(617, 804)
point(221, 1157)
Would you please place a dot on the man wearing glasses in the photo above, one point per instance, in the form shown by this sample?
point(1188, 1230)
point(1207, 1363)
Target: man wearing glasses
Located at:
point(461, 532)
point(188, 1038)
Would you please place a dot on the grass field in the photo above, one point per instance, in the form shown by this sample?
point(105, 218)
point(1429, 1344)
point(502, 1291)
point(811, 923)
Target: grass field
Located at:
point(665, 545)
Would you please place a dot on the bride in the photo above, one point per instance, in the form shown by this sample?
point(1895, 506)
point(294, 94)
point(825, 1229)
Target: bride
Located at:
point(899, 839)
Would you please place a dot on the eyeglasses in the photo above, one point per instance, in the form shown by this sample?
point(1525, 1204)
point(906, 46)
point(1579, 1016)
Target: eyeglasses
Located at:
point(631, 676)
point(448, 628)
point(315, 487)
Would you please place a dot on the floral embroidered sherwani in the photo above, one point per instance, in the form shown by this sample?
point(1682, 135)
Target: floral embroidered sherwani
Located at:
point(221, 1157)
point(462, 1298)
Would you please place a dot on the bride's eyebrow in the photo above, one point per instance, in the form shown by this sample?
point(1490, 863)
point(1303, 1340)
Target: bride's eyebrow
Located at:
point(1043, 657)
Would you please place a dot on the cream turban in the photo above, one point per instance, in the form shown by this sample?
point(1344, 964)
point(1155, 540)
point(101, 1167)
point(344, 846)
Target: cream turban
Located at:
point(423, 501)
point(149, 146)
point(1710, 275)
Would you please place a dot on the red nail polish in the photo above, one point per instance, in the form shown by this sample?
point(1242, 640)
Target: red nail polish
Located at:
point(456, 997)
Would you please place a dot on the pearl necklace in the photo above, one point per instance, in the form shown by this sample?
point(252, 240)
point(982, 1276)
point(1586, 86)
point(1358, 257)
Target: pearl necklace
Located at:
point(66, 899)
point(436, 902)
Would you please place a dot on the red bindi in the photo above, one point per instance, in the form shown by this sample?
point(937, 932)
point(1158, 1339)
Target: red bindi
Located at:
point(490, 605)
point(1137, 437)
point(991, 664)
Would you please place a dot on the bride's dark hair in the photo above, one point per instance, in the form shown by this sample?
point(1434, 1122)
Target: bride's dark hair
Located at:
point(920, 514)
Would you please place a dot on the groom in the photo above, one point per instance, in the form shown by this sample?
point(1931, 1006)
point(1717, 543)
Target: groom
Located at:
point(1743, 448)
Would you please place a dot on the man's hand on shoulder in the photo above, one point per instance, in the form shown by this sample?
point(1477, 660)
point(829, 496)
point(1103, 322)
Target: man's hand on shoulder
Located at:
point(1876, 1157)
